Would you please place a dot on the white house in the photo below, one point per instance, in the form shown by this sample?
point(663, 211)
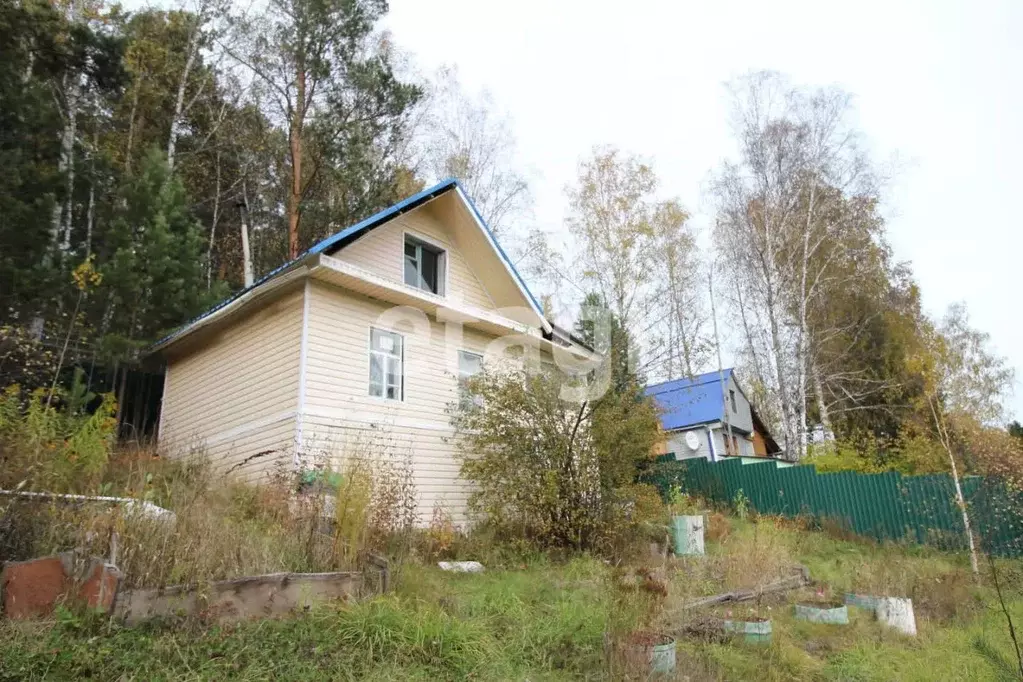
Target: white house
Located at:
point(357, 344)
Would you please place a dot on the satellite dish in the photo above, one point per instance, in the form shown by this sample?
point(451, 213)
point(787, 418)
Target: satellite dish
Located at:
point(692, 440)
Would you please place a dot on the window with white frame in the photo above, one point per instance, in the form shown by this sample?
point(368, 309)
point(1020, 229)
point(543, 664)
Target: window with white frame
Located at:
point(424, 265)
point(386, 366)
point(469, 364)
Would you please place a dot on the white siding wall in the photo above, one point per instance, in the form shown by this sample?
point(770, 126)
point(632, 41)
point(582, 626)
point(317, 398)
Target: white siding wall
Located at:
point(676, 442)
point(235, 397)
point(339, 417)
point(280, 384)
point(741, 417)
point(382, 252)
point(745, 444)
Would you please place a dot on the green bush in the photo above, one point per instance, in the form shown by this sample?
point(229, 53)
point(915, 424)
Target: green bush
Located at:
point(553, 472)
point(52, 441)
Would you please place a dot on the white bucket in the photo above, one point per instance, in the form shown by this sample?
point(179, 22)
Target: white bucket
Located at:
point(897, 612)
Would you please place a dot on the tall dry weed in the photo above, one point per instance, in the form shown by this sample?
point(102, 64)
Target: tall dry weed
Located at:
point(222, 528)
point(756, 557)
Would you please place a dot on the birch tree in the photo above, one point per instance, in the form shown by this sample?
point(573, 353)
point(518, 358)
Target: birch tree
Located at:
point(468, 138)
point(678, 304)
point(69, 97)
point(967, 390)
point(611, 221)
point(779, 223)
point(201, 35)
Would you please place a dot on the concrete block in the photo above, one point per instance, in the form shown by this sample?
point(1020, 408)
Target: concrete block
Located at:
point(99, 588)
point(32, 589)
point(258, 596)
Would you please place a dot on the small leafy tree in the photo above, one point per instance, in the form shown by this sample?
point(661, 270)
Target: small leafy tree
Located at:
point(556, 473)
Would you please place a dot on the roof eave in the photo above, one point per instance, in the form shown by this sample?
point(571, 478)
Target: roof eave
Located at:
point(335, 242)
point(295, 270)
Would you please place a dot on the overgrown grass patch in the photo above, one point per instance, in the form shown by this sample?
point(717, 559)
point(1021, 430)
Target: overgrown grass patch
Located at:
point(542, 623)
point(544, 619)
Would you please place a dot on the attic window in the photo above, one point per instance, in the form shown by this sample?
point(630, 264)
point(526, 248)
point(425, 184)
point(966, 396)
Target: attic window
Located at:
point(424, 265)
point(731, 396)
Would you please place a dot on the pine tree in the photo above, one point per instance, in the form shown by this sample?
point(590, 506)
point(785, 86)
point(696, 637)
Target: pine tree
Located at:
point(153, 275)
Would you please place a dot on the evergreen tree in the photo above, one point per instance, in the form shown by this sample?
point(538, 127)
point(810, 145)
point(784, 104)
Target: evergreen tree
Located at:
point(153, 270)
point(1015, 430)
point(334, 88)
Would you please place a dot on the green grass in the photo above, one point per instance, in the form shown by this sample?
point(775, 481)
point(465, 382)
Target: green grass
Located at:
point(542, 622)
point(545, 621)
point(962, 633)
point(979, 650)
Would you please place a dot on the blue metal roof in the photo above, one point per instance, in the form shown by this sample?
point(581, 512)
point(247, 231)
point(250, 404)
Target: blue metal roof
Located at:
point(350, 234)
point(690, 401)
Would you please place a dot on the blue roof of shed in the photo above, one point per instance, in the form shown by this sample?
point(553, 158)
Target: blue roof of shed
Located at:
point(690, 401)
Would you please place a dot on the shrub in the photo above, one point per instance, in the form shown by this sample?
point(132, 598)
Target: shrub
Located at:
point(52, 441)
point(554, 472)
point(440, 536)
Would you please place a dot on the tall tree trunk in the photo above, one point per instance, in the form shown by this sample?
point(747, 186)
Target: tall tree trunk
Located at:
point(90, 212)
point(213, 224)
point(769, 260)
point(748, 332)
point(784, 397)
point(730, 442)
point(822, 407)
point(60, 224)
point(676, 303)
point(122, 386)
point(295, 141)
point(67, 157)
point(124, 375)
point(801, 371)
point(960, 499)
point(129, 146)
point(179, 101)
point(246, 254)
point(802, 335)
point(63, 163)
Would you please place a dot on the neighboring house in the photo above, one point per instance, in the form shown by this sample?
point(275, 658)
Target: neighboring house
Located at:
point(697, 416)
point(357, 347)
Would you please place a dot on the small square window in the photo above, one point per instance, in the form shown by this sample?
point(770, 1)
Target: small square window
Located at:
point(424, 265)
point(386, 365)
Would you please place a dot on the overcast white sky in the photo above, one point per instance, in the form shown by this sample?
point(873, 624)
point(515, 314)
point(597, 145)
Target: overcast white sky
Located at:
point(938, 84)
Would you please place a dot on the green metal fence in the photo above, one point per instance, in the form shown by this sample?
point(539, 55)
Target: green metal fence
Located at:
point(886, 506)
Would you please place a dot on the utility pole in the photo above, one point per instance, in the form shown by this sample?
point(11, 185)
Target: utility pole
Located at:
point(730, 443)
